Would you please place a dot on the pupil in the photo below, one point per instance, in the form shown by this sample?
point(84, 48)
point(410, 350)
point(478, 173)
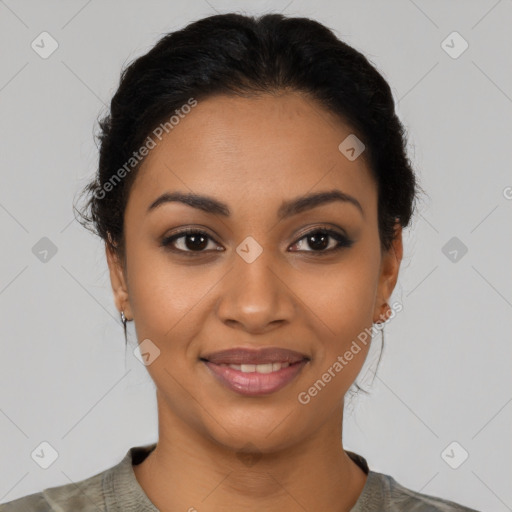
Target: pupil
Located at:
point(319, 241)
point(195, 238)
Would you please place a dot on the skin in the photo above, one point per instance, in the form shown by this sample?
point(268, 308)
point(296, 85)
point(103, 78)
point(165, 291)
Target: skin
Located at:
point(252, 153)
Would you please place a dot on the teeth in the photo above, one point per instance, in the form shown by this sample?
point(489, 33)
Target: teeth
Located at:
point(259, 368)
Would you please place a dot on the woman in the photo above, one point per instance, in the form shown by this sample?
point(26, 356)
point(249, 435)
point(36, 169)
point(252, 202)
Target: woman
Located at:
point(252, 189)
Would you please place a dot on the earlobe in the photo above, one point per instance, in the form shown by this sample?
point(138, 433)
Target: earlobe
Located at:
point(118, 282)
point(389, 275)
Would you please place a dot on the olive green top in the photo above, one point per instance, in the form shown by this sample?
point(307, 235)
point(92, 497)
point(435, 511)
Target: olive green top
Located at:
point(117, 490)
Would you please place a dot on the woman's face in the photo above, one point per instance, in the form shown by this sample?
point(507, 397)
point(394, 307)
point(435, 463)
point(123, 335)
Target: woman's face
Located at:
point(256, 279)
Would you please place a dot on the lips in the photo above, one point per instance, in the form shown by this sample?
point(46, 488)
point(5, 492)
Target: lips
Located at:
point(264, 355)
point(254, 383)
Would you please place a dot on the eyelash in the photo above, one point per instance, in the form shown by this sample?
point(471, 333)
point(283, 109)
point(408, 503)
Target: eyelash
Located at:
point(343, 241)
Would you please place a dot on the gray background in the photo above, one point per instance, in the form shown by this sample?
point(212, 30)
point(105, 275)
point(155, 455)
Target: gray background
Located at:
point(445, 374)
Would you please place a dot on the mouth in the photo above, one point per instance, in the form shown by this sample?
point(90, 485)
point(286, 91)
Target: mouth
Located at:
point(255, 372)
point(263, 356)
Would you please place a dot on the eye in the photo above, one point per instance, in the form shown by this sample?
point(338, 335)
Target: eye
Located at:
point(318, 239)
point(194, 240)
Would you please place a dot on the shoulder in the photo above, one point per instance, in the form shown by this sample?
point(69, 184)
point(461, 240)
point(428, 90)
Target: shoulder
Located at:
point(382, 492)
point(35, 502)
point(86, 495)
point(114, 488)
point(400, 498)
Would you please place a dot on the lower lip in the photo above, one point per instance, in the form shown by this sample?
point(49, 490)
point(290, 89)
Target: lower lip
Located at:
point(254, 383)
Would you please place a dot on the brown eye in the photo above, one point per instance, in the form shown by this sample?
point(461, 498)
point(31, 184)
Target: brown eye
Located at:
point(193, 241)
point(318, 240)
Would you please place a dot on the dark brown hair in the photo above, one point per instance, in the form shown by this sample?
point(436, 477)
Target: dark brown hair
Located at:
point(246, 55)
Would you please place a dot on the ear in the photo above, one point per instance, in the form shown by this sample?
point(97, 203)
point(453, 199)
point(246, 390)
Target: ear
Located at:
point(390, 265)
point(118, 282)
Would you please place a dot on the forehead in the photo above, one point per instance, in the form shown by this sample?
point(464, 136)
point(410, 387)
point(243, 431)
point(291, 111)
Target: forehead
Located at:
point(254, 149)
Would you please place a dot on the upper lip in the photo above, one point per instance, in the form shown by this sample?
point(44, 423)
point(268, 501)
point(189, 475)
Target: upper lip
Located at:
point(254, 356)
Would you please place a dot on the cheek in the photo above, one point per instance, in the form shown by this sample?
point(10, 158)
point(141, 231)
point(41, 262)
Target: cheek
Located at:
point(163, 297)
point(351, 297)
point(341, 296)
point(342, 301)
point(163, 300)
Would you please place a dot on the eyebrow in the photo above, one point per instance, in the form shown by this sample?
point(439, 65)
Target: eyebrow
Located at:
point(287, 209)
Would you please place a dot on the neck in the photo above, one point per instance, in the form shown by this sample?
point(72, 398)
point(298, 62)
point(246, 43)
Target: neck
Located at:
point(188, 471)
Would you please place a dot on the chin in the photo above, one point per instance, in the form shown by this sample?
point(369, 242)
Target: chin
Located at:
point(260, 437)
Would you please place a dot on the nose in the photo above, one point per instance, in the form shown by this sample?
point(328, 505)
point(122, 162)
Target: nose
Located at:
point(255, 297)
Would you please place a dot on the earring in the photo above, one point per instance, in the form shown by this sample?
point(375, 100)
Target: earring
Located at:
point(123, 320)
